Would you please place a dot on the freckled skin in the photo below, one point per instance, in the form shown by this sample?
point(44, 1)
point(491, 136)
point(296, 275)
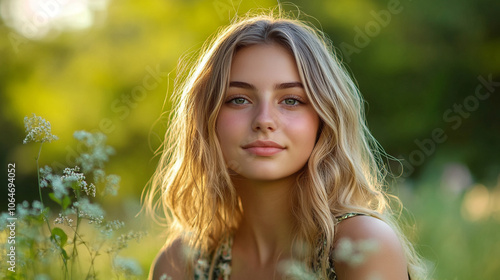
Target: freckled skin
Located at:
point(261, 110)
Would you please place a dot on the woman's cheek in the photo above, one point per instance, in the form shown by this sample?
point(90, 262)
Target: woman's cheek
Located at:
point(229, 126)
point(304, 127)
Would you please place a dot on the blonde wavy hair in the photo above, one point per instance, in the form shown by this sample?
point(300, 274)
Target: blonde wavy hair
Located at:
point(343, 174)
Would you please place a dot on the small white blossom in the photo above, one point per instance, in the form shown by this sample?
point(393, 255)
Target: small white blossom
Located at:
point(93, 212)
point(37, 206)
point(63, 219)
point(89, 190)
point(77, 181)
point(122, 241)
point(52, 180)
point(112, 185)
point(98, 152)
point(38, 130)
point(296, 270)
point(44, 172)
point(354, 253)
point(112, 226)
point(23, 209)
point(58, 186)
point(164, 276)
point(127, 266)
point(99, 176)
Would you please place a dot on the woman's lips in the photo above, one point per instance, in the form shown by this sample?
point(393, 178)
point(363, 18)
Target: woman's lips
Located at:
point(263, 148)
point(264, 151)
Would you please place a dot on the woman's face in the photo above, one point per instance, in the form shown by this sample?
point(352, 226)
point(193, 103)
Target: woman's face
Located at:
point(267, 126)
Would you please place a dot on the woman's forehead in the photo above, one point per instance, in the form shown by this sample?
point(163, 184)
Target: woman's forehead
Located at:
point(263, 63)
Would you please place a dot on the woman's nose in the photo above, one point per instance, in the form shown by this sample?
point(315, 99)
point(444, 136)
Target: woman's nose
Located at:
point(265, 118)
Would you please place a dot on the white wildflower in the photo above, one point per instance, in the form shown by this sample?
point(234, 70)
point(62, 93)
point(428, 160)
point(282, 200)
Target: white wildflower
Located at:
point(24, 209)
point(122, 241)
point(37, 206)
point(99, 176)
point(98, 152)
point(58, 186)
point(354, 253)
point(296, 270)
point(59, 220)
point(89, 190)
point(77, 181)
point(112, 226)
point(127, 266)
point(164, 276)
point(93, 212)
point(63, 219)
point(38, 130)
point(44, 172)
point(112, 185)
point(55, 181)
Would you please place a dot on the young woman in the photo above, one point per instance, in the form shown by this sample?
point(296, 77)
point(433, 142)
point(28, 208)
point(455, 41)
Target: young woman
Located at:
point(268, 167)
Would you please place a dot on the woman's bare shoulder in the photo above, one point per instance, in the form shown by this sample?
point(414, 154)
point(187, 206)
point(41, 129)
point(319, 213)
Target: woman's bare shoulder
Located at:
point(368, 247)
point(170, 261)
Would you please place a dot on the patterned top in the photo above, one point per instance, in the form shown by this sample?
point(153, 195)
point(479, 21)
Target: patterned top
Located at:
point(222, 267)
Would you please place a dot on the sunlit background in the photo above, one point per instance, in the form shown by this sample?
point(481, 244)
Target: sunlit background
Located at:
point(429, 71)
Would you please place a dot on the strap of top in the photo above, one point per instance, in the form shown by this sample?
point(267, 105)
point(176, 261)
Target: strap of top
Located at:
point(347, 216)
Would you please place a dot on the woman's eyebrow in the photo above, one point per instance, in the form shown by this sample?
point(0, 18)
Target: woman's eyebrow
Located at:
point(288, 85)
point(276, 87)
point(242, 85)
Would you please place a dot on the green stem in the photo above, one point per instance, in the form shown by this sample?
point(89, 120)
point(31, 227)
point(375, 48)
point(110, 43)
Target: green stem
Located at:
point(93, 255)
point(40, 187)
point(43, 206)
point(74, 254)
point(92, 260)
point(38, 174)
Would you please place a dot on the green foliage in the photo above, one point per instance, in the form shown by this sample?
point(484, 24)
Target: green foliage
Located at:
point(451, 227)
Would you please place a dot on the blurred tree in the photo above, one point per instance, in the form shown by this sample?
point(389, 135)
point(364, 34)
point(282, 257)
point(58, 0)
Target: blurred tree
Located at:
point(429, 71)
point(418, 64)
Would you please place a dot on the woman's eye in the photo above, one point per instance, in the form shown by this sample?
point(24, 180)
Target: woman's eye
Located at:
point(291, 101)
point(238, 100)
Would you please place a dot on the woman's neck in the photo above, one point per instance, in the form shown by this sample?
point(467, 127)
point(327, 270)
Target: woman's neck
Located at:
point(265, 232)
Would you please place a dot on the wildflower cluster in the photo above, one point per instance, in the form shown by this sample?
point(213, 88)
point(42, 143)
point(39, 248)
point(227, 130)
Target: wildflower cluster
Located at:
point(37, 130)
point(165, 277)
point(77, 181)
point(127, 266)
point(297, 270)
point(354, 253)
point(42, 240)
point(350, 252)
point(112, 226)
point(63, 219)
point(92, 212)
point(98, 152)
point(123, 240)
